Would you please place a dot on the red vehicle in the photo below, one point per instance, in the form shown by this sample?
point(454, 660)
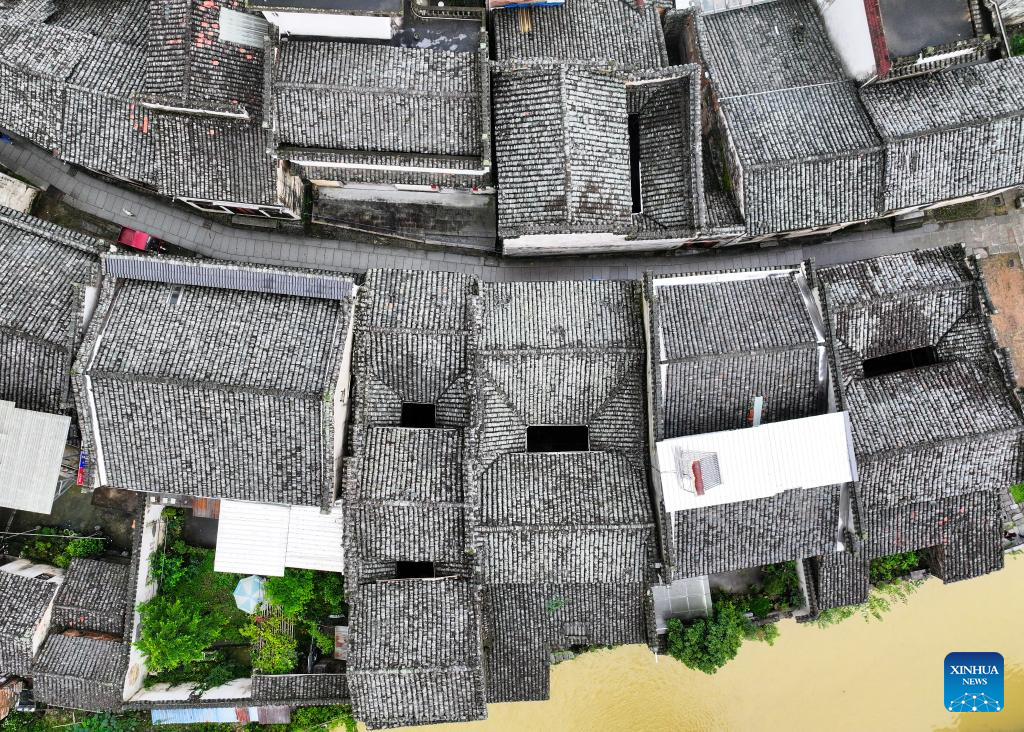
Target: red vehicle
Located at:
point(139, 240)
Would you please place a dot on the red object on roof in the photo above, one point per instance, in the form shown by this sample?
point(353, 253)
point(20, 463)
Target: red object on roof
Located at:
point(133, 238)
point(878, 44)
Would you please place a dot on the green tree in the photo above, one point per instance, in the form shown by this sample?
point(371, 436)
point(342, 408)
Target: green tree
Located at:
point(893, 566)
point(106, 723)
point(293, 592)
point(176, 631)
point(881, 600)
point(273, 651)
point(709, 643)
point(766, 633)
point(83, 548)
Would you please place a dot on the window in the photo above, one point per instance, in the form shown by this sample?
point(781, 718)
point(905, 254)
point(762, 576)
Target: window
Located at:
point(416, 414)
point(634, 162)
point(414, 570)
point(900, 361)
point(558, 438)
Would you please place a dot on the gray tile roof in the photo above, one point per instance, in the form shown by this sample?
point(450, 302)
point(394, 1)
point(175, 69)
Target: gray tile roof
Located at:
point(954, 133)
point(622, 31)
point(76, 672)
point(300, 688)
point(412, 345)
point(526, 622)
point(936, 444)
point(23, 604)
point(221, 393)
point(566, 540)
point(787, 526)
point(376, 98)
point(93, 597)
point(408, 502)
point(40, 266)
point(189, 66)
point(563, 157)
point(809, 152)
point(724, 339)
point(415, 655)
point(838, 579)
point(73, 81)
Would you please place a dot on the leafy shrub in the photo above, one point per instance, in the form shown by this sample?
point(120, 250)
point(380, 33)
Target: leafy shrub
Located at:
point(106, 723)
point(1017, 491)
point(781, 585)
point(176, 631)
point(1017, 44)
point(707, 644)
point(85, 548)
point(880, 601)
point(273, 651)
point(329, 718)
point(59, 551)
point(767, 633)
point(307, 598)
point(893, 566)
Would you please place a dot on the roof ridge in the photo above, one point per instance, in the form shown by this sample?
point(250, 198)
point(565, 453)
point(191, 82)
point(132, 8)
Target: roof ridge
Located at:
point(177, 382)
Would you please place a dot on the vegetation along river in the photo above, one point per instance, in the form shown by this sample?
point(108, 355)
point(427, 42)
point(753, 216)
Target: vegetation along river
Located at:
point(856, 675)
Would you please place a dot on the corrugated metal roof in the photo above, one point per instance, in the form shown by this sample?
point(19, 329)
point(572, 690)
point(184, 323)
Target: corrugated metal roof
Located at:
point(259, 538)
point(758, 462)
point(242, 28)
point(252, 538)
point(229, 277)
point(315, 540)
point(31, 450)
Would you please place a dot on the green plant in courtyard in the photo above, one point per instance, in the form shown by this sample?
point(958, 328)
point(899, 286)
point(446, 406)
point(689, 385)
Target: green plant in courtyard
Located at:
point(273, 650)
point(307, 598)
point(891, 567)
point(52, 547)
point(1017, 492)
point(1017, 44)
point(176, 631)
point(707, 644)
point(106, 723)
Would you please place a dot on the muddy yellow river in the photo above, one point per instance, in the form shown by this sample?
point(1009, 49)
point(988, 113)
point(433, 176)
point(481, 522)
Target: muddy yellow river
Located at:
point(852, 676)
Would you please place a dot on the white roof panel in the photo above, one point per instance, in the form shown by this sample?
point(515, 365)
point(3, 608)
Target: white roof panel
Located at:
point(31, 450)
point(263, 538)
point(758, 462)
point(314, 540)
point(252, 538)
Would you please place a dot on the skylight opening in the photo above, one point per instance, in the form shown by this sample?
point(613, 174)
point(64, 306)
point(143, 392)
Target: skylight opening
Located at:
point(418, 415)
point(892, 363)
point(634, 163)
point(558, 438)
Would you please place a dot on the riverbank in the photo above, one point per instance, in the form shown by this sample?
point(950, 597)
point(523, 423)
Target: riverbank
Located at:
point(853, 676)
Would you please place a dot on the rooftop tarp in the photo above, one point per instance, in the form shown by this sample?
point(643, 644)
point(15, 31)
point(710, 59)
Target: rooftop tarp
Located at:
point(31, 450)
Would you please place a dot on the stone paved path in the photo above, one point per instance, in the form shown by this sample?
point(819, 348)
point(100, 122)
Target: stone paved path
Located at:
point(179, 226)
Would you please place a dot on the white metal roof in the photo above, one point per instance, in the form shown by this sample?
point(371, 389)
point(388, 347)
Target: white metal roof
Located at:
point(262, 538)
point(314, 540)
point(31, 450)
point(758, 462)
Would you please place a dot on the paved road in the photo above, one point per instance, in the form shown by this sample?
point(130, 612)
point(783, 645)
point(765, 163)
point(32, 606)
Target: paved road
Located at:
point(179, 226)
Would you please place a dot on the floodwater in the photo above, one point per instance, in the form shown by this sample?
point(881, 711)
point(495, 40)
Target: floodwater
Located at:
point(853, 676)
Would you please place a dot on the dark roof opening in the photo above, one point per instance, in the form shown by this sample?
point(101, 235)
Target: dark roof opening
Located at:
point(911, 25)
point(558, 438)
point(417, 414)
point(634, 163)
point(900, 361)
point(414, 570)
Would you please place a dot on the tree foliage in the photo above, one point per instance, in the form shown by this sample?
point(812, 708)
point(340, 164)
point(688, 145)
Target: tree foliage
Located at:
point(881, 599)
point(55, 547)
point(307, 598)
point(892, 567)
point(707, 644)
point(273, 651)
point(176, 631)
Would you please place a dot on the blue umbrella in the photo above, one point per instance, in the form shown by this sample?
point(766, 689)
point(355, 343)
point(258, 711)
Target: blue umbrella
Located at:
point(249, 593)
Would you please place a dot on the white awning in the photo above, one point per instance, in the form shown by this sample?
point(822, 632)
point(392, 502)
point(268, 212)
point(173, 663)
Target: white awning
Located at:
point(758, 462)
point(31, 450)
point(262, 538)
